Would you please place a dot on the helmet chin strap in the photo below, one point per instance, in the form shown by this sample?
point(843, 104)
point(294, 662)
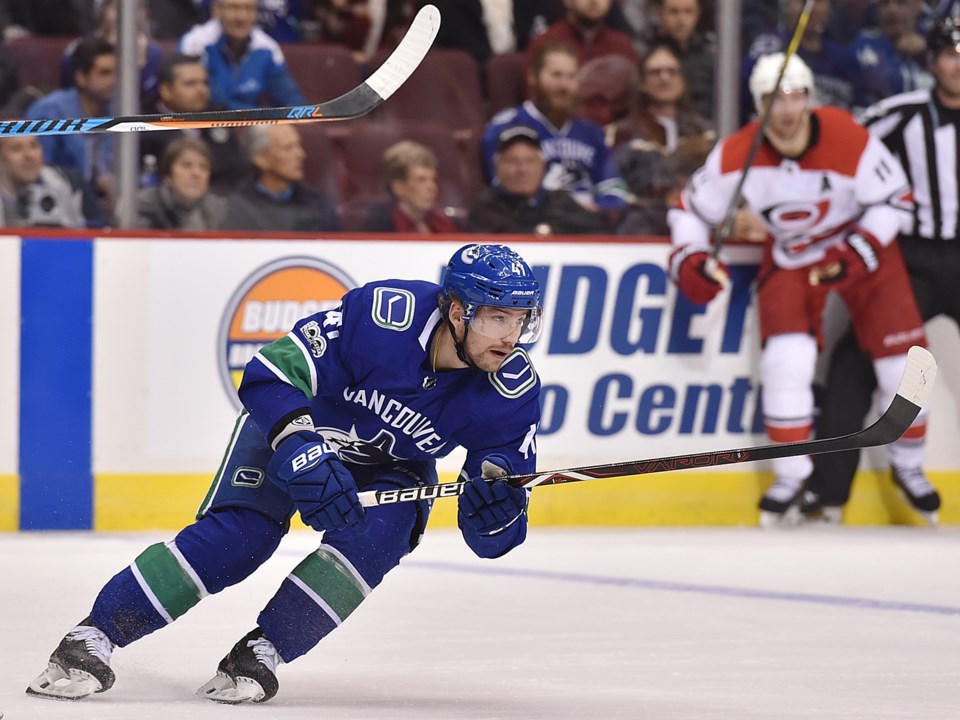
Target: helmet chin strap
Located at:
point(459, 345)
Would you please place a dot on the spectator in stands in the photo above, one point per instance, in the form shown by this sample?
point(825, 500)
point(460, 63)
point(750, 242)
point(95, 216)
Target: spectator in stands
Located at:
point(834, 66)
point(606, 89)
point(891, 56)
point(577, 158)
point(244, 62)
point(91, 156)
point(149, 53)
point(410, 176)
point(183, 88)
point(677, 21)
point(32, 193)
point(518, 203)
point(660, 143)
point(277, 199)
point(584, 29)
point(182, 200)
point(533, 17)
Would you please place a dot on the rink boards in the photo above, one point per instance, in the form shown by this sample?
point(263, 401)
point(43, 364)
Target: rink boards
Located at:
point(122, 355)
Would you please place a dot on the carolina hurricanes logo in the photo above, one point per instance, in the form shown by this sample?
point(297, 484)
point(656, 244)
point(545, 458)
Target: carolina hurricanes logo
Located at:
point(793, 217)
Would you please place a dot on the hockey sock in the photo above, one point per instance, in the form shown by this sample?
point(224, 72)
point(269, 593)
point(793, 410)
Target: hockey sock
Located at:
point(910, 450)
point(314, 599)
point(167, 579)
point(786, 370)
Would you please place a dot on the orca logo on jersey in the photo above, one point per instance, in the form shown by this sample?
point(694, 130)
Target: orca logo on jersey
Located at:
point(267, 304)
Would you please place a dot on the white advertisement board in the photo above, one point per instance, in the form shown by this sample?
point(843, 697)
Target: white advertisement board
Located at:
point(627, 374)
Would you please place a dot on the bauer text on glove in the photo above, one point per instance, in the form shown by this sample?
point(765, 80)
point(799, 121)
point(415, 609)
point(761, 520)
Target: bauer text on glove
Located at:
point(322, 489)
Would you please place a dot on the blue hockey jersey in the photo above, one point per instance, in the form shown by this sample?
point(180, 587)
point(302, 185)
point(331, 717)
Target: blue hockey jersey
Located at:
point(362, 371)
point(577, 157)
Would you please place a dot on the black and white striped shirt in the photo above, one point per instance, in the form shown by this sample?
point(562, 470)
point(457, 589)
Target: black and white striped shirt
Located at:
point(925, 137)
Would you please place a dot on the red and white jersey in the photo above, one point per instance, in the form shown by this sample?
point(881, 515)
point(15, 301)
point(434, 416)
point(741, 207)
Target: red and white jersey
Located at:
point(846, 177)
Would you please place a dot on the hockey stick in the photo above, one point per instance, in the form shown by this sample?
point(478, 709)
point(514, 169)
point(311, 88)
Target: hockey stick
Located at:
point(726, 227)
point(353, 104)
point(915, 387)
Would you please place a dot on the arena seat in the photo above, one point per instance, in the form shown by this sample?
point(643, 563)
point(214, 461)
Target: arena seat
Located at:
point(38, 60)
point(323, 72)
point(362, 145)
point(505, 81)
point(444, 90)
point(322, 167)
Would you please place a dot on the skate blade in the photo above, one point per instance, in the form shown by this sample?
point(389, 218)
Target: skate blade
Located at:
point(223, 689)
point(787, 519)
point(59, 684)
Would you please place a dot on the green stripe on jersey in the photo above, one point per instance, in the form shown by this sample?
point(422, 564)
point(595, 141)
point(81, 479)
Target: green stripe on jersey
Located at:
point(331, 579)
point(288, 358)
point(168, 581)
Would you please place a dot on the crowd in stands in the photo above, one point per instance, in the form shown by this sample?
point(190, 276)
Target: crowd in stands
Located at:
point(530, 116)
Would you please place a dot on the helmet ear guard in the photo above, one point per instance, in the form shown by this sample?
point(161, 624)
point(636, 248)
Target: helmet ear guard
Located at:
point(796, 76)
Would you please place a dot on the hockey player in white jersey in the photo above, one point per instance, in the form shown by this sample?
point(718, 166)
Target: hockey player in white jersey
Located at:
point(833, 200)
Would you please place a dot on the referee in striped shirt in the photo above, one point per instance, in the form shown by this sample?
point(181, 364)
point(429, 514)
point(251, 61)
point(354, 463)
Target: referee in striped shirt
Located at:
point(922, 128)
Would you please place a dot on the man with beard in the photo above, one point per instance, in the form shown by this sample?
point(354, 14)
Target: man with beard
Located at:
point(364, 395)
point(833, 199)
point(574, 149)
point(585, 30)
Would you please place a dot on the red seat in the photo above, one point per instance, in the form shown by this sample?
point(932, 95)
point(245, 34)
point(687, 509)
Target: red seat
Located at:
point(321, 169)
point(38, 60)
point(505, 81)
point(323, 72)
point(444, 90)
point(362, 147)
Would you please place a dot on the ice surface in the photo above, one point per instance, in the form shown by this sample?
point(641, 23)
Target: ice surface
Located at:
point(658, 624)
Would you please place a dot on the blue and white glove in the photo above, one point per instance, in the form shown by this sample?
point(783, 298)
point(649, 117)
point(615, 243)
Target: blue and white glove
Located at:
point(492, 514)
point(322, 489)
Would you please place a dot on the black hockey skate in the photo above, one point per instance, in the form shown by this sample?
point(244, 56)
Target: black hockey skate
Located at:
point(779, 506)
point(80, 666)
point(246, 674)
point(814, 511)
point(918, 491)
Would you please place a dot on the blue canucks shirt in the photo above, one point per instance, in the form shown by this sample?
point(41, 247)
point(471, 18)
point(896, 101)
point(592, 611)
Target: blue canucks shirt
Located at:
point(362, 371)
point(577, 157)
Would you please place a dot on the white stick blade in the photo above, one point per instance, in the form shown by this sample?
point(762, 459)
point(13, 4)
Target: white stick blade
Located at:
point(918, 376)
point(411, 50)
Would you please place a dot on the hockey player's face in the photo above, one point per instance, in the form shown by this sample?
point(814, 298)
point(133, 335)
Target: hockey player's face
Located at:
point(492, 336)
point(787, 114)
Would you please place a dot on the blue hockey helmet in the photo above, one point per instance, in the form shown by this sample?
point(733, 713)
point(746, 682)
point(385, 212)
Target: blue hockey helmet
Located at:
point(495, 276)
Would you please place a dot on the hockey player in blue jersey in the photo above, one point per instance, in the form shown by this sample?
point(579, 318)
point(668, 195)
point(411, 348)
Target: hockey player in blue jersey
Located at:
point(366, 395)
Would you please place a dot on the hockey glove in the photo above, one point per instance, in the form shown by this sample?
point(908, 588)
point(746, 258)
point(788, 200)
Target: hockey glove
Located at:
point(492, 514)
point(322, 489)
point(699, 277)
point(844, 264)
